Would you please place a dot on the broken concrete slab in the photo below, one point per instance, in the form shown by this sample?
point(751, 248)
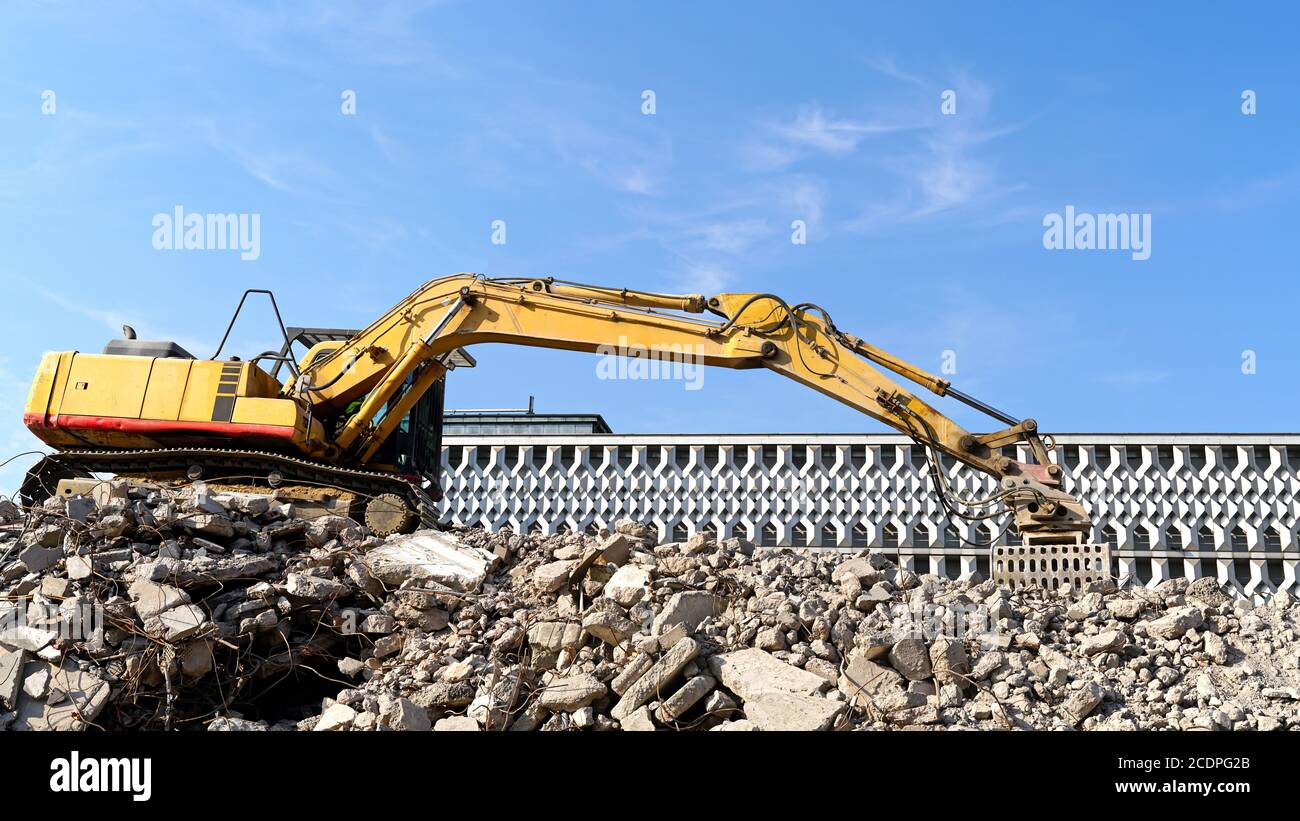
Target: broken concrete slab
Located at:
point(739, 726)
point(1175, 623)
point(26, 637)
point(633, 671)
point(177, 623)
point(695, 688)
point(209, 524)
point(403, 715)
point(656, 677)
point(152, 598)
point(433, 556)
point(688, 609)
point(949, 662)
point(862, 679)
point(628, 585)
point(609, 627)
point(1107, 641)
point(83, 696)
point(911, 658)
point(788, 712)
point(552, 576)
point(1082, 702)
point(336, 717)
point(752, 672)
point(37, 558)
point(554, 636)
point(639, 721)
point(456, 724)
point(36, 682)
point(616, 549)
point(11, 677)
point(316, 588)
point(572, 693)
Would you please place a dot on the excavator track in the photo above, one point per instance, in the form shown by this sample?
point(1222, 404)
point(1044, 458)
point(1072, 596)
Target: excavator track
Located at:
point(224, 463)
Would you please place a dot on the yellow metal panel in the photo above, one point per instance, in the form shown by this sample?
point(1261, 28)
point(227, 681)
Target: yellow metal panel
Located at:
point(254, 411)
point(38, 398)
point(162, 399)
point(201, 390)
point(103, 385)
point(61, 381)
point(259, 383)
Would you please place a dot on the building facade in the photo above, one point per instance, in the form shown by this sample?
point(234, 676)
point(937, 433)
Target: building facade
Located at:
point(1170, 505)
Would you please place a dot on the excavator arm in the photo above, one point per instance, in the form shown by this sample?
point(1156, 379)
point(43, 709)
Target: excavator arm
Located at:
point(388, 365)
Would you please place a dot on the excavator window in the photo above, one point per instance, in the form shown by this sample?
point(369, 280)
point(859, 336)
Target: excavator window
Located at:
point(415, 447)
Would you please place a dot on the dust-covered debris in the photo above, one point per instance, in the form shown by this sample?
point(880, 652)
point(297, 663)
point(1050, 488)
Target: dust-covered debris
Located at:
point(188, 608)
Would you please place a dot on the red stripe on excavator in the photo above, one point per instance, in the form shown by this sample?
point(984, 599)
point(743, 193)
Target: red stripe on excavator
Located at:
point(147, 426)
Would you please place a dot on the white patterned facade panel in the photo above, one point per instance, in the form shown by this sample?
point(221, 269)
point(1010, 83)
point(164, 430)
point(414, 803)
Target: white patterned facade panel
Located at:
point(1169, 505)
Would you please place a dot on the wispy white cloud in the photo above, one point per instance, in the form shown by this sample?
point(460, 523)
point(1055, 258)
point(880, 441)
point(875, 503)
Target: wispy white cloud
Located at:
point(700, 278)
point(812, 128)
point(112, 321)
point(931, 164)
point(386, 144)
point(286, 170)
point(310, 39)
point(947, 167)
point(812, 131)
point(730, 237)
point(890, 68)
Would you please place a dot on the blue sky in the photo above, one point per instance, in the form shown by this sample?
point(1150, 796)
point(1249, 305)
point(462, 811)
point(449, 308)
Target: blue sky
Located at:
point(925, 230)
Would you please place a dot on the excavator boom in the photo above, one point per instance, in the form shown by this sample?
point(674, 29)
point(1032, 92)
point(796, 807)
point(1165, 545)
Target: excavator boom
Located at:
point(347, 397)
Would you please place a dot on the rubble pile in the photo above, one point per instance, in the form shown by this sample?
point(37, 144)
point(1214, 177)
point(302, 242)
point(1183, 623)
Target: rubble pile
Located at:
point(188, 608)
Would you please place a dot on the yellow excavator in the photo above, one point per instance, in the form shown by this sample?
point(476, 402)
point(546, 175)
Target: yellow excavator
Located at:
point(361, 410)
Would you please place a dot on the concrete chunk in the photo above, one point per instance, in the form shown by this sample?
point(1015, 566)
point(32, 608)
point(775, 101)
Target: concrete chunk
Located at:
point(430, 555)
point(177, 623)
point(688, 609)
point(911, 658)
point(404, 715)
point(1107, 641)
point(633, 671)
point(456, 724)
point(554, 636)
point(863, 678)
point(337, 717)
point(315, 588)
point(609, 627)
point(26, 637)
point(751, 672)
point(1175, 623)
point(151, 598)
point(628, 585)
point(84, 696)
point(1082, 702)
point(639, 721)
point(552, 576)
point(663, 671)
point(572, 693)
point(949, 662)
point(11, 677)
point(37, 558)
point(685, 698)
point(784, 711)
